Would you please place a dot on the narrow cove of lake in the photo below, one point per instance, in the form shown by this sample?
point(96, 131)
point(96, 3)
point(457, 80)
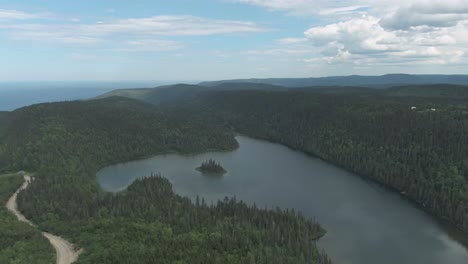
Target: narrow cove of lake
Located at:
point(366, 223)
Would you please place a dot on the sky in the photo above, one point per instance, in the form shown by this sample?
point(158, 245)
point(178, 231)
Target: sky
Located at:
point(112, 40)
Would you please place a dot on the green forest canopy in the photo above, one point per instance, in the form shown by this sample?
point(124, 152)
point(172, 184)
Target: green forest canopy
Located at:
point(66, 143)
point(411, 138)
point(412, 142)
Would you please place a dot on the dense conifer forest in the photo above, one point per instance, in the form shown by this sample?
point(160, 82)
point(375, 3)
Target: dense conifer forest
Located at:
point(416, 145)
point(66, 143)
point(412, 143)
point(19, 243)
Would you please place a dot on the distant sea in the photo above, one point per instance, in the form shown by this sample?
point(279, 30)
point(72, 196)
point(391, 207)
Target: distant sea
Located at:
point(14, 95)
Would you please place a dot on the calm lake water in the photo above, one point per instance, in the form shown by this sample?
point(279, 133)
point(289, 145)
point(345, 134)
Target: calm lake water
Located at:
point(366, 223)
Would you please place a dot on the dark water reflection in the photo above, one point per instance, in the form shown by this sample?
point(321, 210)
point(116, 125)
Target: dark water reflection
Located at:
point(366, 223)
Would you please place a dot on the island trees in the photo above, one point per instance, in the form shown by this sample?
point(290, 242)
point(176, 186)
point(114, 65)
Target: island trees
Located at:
point(211, 167)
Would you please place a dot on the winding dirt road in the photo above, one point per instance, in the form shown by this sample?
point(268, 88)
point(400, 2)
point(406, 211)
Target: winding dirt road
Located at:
point(65, 250)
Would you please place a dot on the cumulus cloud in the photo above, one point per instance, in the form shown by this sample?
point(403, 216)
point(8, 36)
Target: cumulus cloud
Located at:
point(361, 35)
point(348, 32)
point(365, 40)
point(434, 34)
point(385, 32)
point(432, 39)
point(427, 13)
point(341, 56)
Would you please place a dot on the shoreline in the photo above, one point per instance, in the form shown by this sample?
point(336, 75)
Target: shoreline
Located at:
point(452, 230)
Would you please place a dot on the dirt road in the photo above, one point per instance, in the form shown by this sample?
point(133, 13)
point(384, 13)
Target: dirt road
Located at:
point(65, 250)
point(13, 206)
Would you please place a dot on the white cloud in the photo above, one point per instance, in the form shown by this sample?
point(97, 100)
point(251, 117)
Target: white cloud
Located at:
point(432, 53)
point(369, 33)
point(434, 39)
point(364, 41)
point(338, 34)
point(281, 51)
point(323, 8)
point(342, 10)
point(424, 13)
point(51, 34)
point(172, 26)
point(345, 7)
point(440, 6)
point(276, 4)
point(296, 7)
point(16, 15)
point(407, 19)
point(153, 45)
point(142, 31)
point(361, 35)
point(342, 56)
point(292, 40)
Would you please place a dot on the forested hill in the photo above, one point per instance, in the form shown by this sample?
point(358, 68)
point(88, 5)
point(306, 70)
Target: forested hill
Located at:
point(3, 120)
point(66, 143)
point(435, 90)
point(173, 93)
point(432, 91)
point(383, 81)
point(411, 138)
point(416, 145)
point(170, 93)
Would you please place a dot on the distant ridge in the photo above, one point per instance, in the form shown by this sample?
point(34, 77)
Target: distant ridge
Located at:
point(383, 81)
point(170, 93)
point(186, 92)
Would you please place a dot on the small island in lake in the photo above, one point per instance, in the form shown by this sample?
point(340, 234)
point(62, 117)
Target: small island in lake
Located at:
point(211, 167)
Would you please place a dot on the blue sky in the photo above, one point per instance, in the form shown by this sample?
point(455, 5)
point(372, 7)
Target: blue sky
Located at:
point(225, 39)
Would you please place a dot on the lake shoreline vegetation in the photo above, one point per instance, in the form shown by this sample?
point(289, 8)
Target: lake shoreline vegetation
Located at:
point(66, 143)
point(235, 145)
point(454, 231)
point(336, 127)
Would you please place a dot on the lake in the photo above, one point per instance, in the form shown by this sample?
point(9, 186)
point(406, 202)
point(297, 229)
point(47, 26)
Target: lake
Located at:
point(365, 222)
